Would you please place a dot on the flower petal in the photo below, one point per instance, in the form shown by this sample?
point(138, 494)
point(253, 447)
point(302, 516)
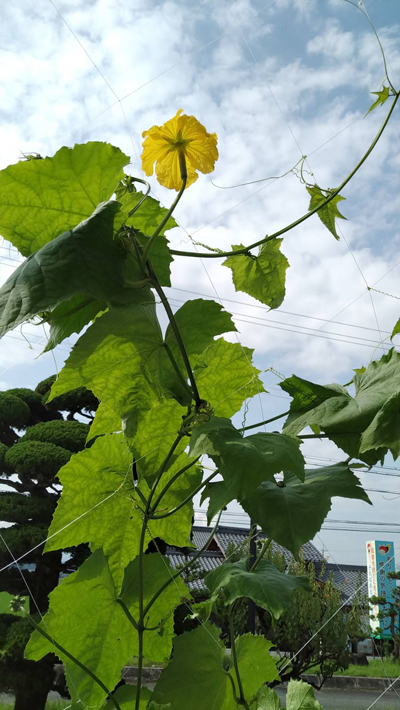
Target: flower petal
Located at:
point(154, 148)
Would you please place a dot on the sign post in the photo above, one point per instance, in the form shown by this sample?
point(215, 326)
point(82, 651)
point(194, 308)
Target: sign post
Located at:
point(380, 561)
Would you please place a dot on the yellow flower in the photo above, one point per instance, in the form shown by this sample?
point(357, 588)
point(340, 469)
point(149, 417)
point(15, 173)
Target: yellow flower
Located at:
point(163, 145)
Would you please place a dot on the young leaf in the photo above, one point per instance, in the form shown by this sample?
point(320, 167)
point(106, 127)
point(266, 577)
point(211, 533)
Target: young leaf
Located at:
point(267, 699)
point(196, 677)
point(246, 462)
point(266, 586)
point(293, 513)
point(56, 194)
point(261, 276)
point(97, 632)
point(345, 418)
point(300, 696)
point(382, 95)
point(99, 480)
point(330, 211)
point(65, 267)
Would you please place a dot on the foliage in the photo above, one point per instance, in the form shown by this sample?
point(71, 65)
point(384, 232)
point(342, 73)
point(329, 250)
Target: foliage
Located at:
point(166, 397)
point(261, 276)
point(69, 435)
point(382, 95)
point(37, 443)
point(328, 212)
point(303, 618)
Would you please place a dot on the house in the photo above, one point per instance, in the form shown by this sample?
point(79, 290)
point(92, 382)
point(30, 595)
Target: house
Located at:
point(346, 577)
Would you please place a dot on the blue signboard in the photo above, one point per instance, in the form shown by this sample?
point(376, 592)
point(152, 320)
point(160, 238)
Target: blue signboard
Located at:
point(380, 561)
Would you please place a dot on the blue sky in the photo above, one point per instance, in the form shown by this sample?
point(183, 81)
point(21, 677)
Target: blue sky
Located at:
point(274, 80)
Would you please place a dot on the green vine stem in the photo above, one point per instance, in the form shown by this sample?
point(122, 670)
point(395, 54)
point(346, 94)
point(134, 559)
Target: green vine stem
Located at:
point(142, 612)
point(187, 500)
point(184, 568)
point(242, 699)
point(266, 545)
point(127, 613)
point(266, 421)
point(358, 7)
point(146, 251)
point(174, 326)
point(307, 215)
point(72, 658)
point(139, 204)
point(172, 481)
point(177, 370)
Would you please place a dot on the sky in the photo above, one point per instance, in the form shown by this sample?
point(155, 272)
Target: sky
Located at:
point(275, 81)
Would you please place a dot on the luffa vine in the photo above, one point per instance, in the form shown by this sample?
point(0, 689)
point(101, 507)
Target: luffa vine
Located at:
point(166, 400)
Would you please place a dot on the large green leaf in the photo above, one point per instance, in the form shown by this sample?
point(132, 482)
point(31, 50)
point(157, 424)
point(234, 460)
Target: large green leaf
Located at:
point(384, 430)
point(105, 421)
point(100, 500)
point(97, 632)
point(266, 586)
point(330, 212)
point(197, 676)
point(85, 261)
point(261, 276)
point(292, 512)
point(125, 695)
point(145, 221)
point(226, 377)
point(71, 317)
point(41, 199)
point(122, 359)
point(219, 496)
point(345, 418)
point(110, 358)
point(198, 321)
point(151, 436)
point(246, 462)
point(382, 95)
point(299, 696)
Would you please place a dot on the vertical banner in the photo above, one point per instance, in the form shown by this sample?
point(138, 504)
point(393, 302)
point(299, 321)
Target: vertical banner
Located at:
point(380, 561)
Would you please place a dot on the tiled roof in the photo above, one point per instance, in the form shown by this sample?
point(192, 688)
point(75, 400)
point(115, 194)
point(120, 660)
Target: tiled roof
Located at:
point(225, 535)
point(208, 562)
point(347, 578)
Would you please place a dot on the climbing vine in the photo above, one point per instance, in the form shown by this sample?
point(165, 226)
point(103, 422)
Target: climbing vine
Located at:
point(98, 260)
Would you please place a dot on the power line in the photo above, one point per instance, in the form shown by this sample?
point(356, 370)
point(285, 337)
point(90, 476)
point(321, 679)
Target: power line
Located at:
point(293, 325)
point(376, 344)
point(277, 310)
